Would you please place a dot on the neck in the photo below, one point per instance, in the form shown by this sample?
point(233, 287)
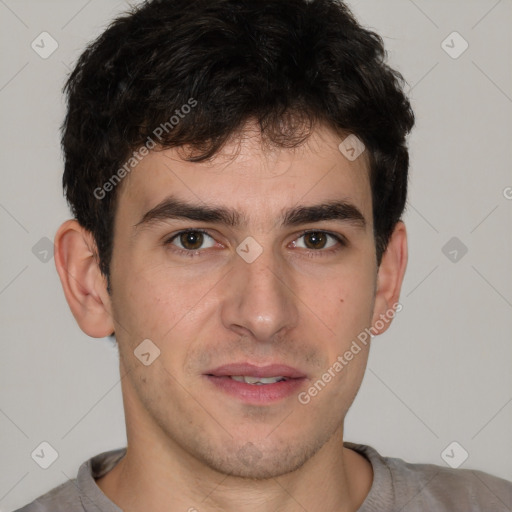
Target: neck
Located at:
point(336, 478)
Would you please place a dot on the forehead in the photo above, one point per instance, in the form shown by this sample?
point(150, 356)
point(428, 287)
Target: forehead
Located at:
point(258, 180)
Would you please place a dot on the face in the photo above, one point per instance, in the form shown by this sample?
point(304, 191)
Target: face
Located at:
point(244, 272)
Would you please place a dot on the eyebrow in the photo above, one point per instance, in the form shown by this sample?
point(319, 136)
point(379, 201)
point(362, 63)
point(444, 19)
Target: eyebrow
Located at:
point(173, 208)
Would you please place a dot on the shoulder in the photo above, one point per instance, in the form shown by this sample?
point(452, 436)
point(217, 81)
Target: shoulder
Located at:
point(64, 498)
point(433, 487)
point(455, 489)
point(80, 494)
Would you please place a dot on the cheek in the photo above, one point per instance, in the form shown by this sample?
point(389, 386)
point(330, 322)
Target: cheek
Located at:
point(168, 305)
point(147, 302)
point(345, 300)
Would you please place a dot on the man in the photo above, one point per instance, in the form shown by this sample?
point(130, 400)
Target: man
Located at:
point(237, 170)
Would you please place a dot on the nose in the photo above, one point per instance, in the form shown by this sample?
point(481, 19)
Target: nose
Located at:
point(259, 301)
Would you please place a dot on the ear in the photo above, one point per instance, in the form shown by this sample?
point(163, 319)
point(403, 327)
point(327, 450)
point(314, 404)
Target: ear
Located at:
point(85, 287)
point(389, 280)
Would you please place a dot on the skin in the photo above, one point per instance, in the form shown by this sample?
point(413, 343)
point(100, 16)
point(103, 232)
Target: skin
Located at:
point(189, 444)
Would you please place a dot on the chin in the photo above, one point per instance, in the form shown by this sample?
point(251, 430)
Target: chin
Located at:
point(257, 461)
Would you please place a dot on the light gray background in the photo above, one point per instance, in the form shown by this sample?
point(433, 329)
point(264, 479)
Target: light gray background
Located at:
point(442, 371)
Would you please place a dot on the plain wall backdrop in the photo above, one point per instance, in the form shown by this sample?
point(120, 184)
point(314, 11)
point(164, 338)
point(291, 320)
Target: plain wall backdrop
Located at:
point(442, 372)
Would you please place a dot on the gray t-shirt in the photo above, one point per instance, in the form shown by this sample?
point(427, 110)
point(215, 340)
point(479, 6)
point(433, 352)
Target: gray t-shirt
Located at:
point(397, 486)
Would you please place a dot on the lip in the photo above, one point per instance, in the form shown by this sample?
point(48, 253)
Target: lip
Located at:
point(251, 370)
point(254, 393)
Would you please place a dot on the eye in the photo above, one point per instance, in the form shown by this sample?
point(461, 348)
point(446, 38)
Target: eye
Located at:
point(317, 240)
point(192, 240)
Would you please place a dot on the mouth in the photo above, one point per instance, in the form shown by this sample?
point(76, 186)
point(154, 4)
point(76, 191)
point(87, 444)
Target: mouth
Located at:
point(250, 370)
point(257, 380)
point(256, 384)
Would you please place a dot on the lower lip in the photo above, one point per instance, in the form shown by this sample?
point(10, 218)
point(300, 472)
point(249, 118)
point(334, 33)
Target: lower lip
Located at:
point(257, 393)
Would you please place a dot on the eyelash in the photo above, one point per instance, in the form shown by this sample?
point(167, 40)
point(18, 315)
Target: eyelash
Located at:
point(311, 252)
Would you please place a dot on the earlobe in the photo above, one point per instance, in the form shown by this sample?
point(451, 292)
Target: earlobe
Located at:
point(83, 283)
point(389, 279)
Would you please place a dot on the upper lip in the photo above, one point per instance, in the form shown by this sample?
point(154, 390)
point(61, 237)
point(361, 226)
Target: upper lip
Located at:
point(251, 370)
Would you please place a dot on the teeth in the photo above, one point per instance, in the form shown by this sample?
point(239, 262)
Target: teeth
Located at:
point(257, 380)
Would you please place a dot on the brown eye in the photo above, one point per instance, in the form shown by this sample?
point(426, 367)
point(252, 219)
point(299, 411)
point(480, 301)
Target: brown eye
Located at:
point(192, 240)
point(315, 240)
point(318, 240)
